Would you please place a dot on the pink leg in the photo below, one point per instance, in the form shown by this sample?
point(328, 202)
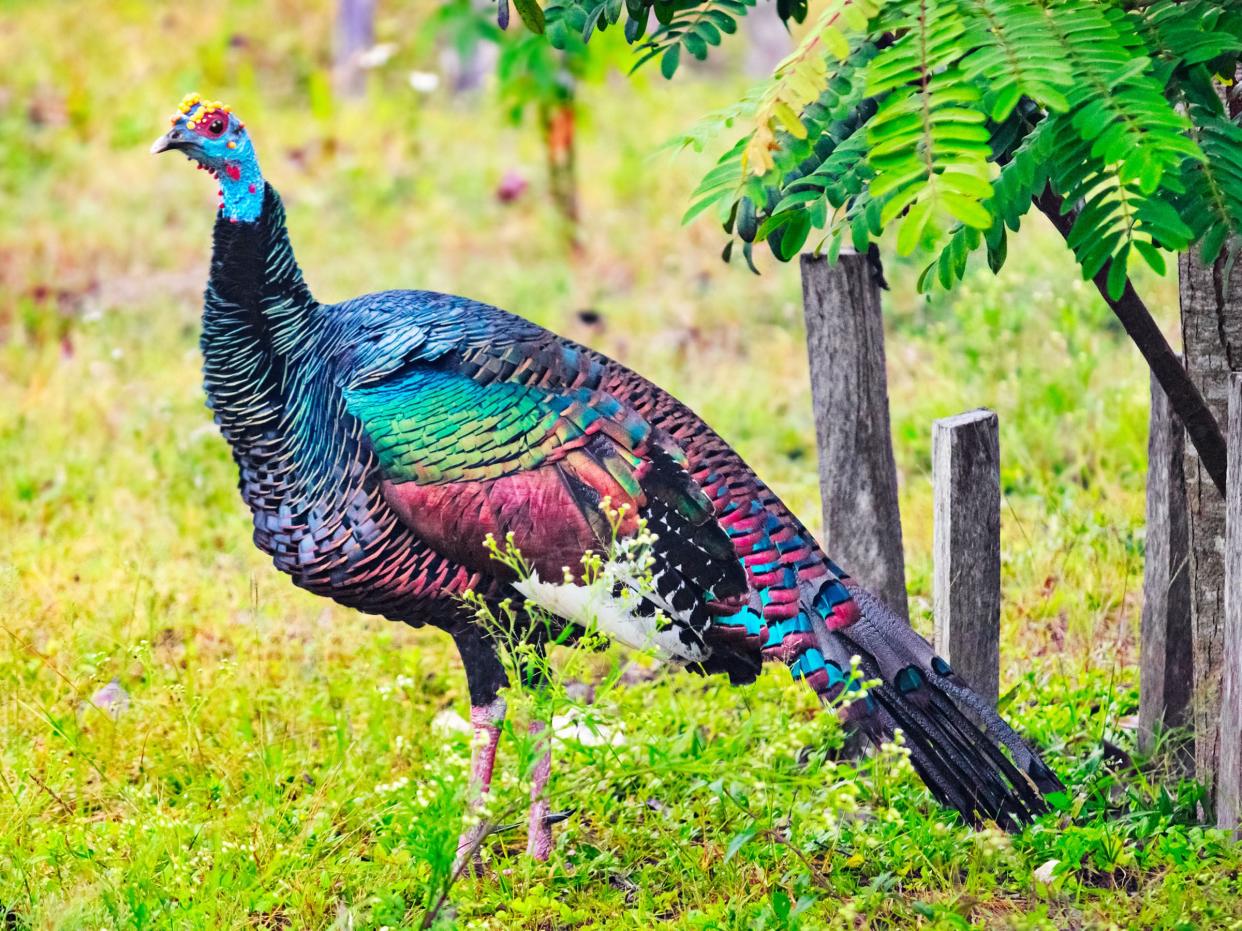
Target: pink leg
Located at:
point(486, 720)
point(539, 831)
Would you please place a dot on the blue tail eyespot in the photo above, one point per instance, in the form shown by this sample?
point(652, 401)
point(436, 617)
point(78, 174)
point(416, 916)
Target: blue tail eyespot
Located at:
point(908, 680)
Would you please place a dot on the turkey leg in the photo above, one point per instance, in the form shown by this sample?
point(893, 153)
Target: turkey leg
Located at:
point(539, 824)
point(485, 677)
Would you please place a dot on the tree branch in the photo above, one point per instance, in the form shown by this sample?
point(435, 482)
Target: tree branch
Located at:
point(1184, 396)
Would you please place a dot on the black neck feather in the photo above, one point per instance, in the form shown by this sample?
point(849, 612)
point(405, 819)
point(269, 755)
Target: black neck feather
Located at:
point(257, 316)
point(253, 269)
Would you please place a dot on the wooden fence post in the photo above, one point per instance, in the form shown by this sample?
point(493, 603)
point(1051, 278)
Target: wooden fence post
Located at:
point(1166, 653)
point(966, 575)
point(1229, 770)
point(849, 394)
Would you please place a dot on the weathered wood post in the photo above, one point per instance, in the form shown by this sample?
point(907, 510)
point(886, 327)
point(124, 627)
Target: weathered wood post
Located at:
point(1229, 770)
point(849, 394)
point(966, 576)
point(1211, 306)
point(1166, 651)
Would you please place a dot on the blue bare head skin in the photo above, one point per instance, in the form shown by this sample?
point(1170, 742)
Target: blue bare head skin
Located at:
point(208, 133)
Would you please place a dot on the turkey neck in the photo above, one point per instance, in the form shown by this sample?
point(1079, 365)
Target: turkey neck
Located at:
point(258, 318)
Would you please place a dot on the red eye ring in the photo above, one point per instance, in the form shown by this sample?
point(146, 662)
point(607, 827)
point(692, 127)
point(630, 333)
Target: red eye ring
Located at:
point(211, 125)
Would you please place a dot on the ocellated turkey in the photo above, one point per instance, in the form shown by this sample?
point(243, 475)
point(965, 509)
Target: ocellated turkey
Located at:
point(381, 439)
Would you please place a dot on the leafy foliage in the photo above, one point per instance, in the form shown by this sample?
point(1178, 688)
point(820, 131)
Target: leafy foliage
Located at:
point(942, 119)
point(1212, 202)
point(800, 79)
point(1019, 180)
point(694, 26)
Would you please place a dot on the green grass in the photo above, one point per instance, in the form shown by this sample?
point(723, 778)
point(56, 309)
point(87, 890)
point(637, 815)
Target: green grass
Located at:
point(278, 765)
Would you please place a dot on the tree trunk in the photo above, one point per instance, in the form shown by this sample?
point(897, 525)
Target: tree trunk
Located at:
point(767, 43)
point(1212, 339)
point(466, 72)
point(1202, 424)
point(559, 131)
point(1197, 391)
point(849, 394)
point(355, 33)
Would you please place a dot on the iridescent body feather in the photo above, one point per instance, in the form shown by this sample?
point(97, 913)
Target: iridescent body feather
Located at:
point(381, 439)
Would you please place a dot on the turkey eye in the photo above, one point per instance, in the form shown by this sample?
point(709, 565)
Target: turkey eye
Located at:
point(216, 127)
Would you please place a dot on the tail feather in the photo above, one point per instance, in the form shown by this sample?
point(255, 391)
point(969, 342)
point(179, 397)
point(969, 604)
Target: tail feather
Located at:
point(1026, 758)
point(960, 765)
point(964, 766)
point(939, 761)
point(1012, 795)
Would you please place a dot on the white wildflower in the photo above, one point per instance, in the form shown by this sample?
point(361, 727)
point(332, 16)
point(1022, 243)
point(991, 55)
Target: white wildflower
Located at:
point(448, 721)
point(1044, 874)
point(377, 55)
point(424, 82)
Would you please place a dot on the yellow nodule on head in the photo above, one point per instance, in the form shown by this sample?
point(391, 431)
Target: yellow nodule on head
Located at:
point(194, 99)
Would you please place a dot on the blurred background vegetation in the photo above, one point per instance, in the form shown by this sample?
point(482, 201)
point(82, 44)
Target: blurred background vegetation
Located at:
point(254, 775)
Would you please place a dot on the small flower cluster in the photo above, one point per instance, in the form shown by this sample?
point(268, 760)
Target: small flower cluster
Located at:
point(400, 685)
point(397, 785)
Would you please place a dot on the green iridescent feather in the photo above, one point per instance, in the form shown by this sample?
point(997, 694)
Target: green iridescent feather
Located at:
point(432, 426)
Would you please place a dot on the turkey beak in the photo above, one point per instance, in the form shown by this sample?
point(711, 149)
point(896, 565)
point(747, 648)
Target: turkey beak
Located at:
point(173, 139)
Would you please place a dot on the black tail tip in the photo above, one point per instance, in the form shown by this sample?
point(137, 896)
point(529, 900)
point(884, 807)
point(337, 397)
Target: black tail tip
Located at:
point(1045, 779)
